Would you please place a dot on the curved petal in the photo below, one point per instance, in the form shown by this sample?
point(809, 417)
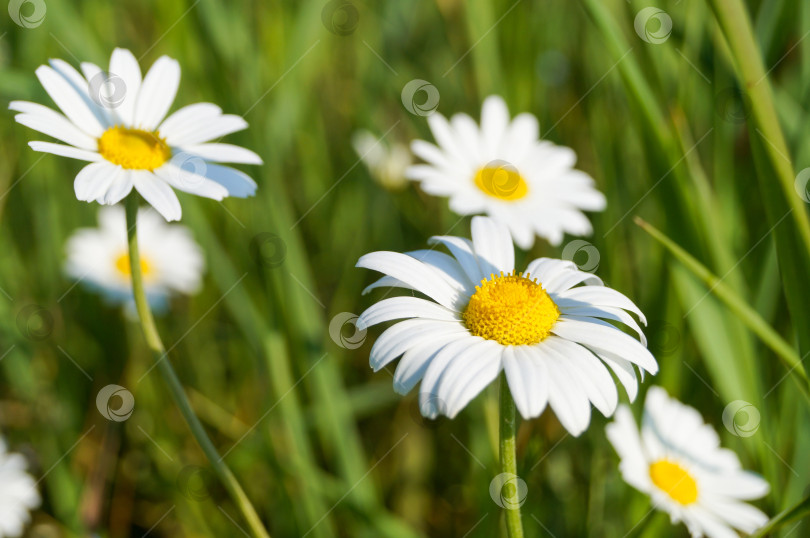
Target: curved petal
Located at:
point(528, 380)
point(48, 121)
point(66, 151)
point(493, 246)
point(158, 193)
point(157, 93)
point(415, 361)
point(462, 250)
point(238, 183)
point(94, 180)
point(201, 128)
point(400, 337)
point(403, 308)
point(467, 375)
point(123, 64)
point(69, 101)
point(190, 182)
point(606, 340)
point(223, 153)
point(430, 403)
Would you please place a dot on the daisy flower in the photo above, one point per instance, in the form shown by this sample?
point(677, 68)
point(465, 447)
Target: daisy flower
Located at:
point(678, 462)
point(387, 163)
point(503, 169)
point(115, 121)
point(18, 493)
point(170, 259)
point(545, 328)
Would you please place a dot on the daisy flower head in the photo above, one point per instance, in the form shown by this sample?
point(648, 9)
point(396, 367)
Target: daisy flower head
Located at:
point(502, 168)
point(171, 261)
point(677, 460)
point(18, 493)
point(549, 328)
point(115, 120)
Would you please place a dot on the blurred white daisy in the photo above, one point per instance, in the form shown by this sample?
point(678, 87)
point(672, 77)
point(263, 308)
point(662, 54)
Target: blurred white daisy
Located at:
point(503, 169)
point(171, 261)
point(678, 462)
point(387, 163)
point(18, 493)
point(541, 327)
point(115, 120)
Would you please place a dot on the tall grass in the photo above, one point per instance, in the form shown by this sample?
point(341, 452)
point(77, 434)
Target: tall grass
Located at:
point(684, 133)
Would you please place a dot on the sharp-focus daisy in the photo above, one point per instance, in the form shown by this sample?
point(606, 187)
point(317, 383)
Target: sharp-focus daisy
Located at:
point(678, 462)
point(18, 493)
point(541, 327)
point(170, 259)
point(504, 170)
point(387, 163)
point(115, 120)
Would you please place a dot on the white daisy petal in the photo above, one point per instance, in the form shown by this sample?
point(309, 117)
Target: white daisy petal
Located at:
point(606, 340)
point(462, 250)
point(188, 181)
point(467, 375)
point(525, 371)
point(493, 245)
point(48, 121)
point(69, 101)
point(66, 151)
point(201, 129)
point(623, 435)
point(413, 364)
point(430, 402)
point(566, 397)
point(157, 93)
point(398, 338)
point(94, 180)
point(119, 188)
point(447, 266)
point(494, 121)
point(238, 184)
point(594, 376)
point(417, 275)
point(158, 193)
point(599, 296)
point(403, 308)
point(123, 64)
point(223, 153)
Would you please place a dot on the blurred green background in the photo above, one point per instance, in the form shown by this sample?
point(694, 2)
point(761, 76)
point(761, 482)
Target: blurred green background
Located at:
point(322, 445)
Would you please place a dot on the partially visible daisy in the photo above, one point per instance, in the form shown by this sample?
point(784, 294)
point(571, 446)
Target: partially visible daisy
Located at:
point(387, 163)
point(115, 120)
point(171, 262)
point(678, 462)
point(18, 493)
point(544, 327)
point(503, 169)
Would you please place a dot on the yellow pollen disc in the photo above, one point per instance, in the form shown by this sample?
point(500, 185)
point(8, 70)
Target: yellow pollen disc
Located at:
point(512, 310)
point(503, 182)
point(122, 265)
point(675, 481)
point(133, 149)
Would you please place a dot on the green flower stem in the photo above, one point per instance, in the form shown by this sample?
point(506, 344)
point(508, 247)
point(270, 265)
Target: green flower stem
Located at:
point(175, 388)
point(737, 305)
point(514, 525)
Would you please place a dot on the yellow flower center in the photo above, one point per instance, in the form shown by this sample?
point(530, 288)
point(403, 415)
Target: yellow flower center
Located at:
point(511, 309)
point(501, 180)
point(123, 267)
point(133, 148)
point(675, 481)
